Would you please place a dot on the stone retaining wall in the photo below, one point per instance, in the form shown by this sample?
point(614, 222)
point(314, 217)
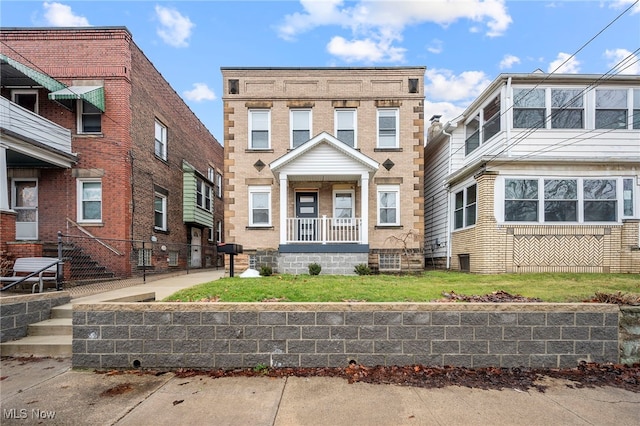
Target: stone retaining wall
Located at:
point(17, 312)
point(630, 334)
point(233, 335)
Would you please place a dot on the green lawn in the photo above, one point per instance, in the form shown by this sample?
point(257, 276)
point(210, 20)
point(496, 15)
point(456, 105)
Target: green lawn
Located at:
point(425, 287)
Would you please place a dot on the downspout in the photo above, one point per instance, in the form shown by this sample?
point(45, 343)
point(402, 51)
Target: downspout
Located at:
point(444, 132)
point(508, 108)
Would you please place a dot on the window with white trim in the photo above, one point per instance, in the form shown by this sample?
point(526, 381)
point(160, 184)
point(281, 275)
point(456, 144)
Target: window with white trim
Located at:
point(300, 120)
point(160, 140)
point(345, 126)
point(567, 109)
point(472, 135)
point(218, 182)
point(173, 258)
point(388, 205)
point(529, 108)
point(26, 98)
point(388, 128)
point(561, 200)
point(89, 198)
point(464, 214)
point(203, 195)
point(635, 119)
point(611, 109)
point(259, 206)
point(491, 119)
point(89, 117)
point(259, 129)
point(160, 212)
point(219, 231)
point(343, 206)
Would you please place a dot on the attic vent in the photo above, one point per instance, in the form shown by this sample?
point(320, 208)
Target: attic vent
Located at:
point(413, 85)
point(234, 87)
point(259, 165)
point(388, 164)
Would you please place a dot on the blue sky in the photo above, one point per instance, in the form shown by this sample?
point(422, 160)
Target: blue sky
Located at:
point(464, 44)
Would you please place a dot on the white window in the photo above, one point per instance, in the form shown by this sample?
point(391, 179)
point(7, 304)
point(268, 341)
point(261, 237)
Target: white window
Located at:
point(211, 174)
point(203, 195)
point(611, 109)
point(300, 126)
point(161, 140)
point(388, 205)
point(388, 128)
point(578, 200)
point(491, 119)
point(89, 118)
point(219, 231)
point(89, 198)
point(472, 135)
point(343, 206)
point(464, 213)
point(259, 129)
point(636, 109)
point(219, 185)
point(160, 212)
point(567, 109)
point(529, 108)
point(345, 126)
point(259, 206)
point(26, 98)
point(389, 261)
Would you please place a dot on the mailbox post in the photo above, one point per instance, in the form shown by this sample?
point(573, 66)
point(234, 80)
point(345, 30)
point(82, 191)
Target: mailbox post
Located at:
point(231, 249)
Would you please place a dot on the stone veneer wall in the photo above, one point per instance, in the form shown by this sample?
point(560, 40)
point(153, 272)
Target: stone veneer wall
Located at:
point(331, 263)
point(234, 335)
point(17, 312)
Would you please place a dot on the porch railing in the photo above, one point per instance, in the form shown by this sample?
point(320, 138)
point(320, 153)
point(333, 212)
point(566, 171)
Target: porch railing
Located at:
point(324, 230)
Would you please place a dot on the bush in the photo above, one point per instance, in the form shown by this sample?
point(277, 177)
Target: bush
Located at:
point(314, 269)
point(266, 271)
point(362, 269)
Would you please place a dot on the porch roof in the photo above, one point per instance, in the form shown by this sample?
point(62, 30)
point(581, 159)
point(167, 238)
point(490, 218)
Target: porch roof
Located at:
point(323, 157)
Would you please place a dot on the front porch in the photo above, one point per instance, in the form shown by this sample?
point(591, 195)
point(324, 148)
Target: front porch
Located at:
point(324, 230)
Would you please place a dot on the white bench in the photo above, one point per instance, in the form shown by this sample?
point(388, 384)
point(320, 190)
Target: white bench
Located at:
point(37, 269)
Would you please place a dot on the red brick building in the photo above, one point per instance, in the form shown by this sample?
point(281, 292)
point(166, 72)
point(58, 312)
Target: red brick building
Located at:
point(95, 142)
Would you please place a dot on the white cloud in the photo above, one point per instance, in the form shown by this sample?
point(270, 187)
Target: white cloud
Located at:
point(199, 93)
point(60, 15)
point(623, 4)
point(447, 110)
point(509, 61)
point(443, 85)
point(436, 46)
point(175, 29)
point(623, 61)
point(366, 50)
point(381, 22)
point(564, 64)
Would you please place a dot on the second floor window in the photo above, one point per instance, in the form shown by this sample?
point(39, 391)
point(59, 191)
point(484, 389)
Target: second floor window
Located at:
point(27, 99)
point(611, 109)
point(388, 128)
point(259, 125)
point(345, 126)
point(203, 195)
point(89, 118)
point(161, 140)
point(300, 127)
point(160, 212)
point(567, 109)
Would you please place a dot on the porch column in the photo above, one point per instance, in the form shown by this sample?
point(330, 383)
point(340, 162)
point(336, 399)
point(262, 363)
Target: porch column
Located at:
point(364, 207)
point(284, 202)
point(4, 194)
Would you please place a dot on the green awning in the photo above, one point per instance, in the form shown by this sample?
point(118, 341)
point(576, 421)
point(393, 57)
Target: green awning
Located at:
point(38, 77)
point(92, 94)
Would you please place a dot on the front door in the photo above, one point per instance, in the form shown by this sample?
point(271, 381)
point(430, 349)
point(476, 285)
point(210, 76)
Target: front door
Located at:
point(196, 247)
point(24, 201)
point(307, 216)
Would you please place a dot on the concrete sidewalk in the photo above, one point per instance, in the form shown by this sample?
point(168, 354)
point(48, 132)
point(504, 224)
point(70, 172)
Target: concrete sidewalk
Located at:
point(49, 392)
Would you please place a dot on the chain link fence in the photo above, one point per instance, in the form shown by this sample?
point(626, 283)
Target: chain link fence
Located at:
point(89, 260)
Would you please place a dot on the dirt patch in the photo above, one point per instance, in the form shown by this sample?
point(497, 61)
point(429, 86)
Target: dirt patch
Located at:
point(499, 296)
point(117, 390)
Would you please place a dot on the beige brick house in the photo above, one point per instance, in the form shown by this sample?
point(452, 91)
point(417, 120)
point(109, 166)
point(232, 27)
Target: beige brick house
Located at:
point(541, 173)
point(324, 165)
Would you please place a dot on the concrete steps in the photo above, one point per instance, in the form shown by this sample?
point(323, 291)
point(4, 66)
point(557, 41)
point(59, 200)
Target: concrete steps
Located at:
point(49, 338)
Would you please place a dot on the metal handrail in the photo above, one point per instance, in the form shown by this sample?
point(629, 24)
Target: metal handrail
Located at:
point(26, 277)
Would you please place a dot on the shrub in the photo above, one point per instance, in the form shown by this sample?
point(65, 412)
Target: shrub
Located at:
point(266, 271)
point(362, 269)
point(314, 269)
